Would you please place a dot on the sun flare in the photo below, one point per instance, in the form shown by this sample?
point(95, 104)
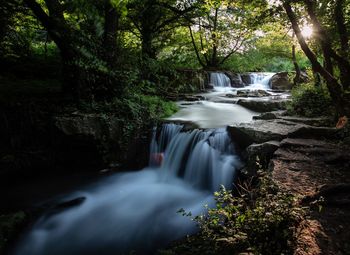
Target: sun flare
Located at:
point(306, 31)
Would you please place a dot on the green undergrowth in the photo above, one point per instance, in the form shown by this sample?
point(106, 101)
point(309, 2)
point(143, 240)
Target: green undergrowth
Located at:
point(136, 107)
point(260, 219)
point(310, 101)
point(136, 113)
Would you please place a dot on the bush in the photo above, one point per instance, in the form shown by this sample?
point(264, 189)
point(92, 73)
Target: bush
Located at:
point(261, 220)
point(310, 101)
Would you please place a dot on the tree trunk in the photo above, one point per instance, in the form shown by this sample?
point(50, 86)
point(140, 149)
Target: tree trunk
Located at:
point(335, 89)
point(341, 27)
point(195, 48)
point(214, 37)
point(147, 47)
point(328, 52)
point(110, 34)
point(64, 37)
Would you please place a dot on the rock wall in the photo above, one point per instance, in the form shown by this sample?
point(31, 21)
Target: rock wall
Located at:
point(35, 140)
point(198, 79)
point(105, 135)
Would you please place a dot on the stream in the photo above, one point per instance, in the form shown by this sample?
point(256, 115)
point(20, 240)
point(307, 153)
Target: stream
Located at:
point(137, 211)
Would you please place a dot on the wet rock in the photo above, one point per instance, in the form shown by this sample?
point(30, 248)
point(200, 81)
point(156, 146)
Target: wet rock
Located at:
point(253, 93)
point(280, 81)
point(261, 105)
point(246, 78)
point(259, 155)
point(198, 79)
point(230, 95)
point(266, 116)
point(190, 98)
point(209, 86)
point(261, 131)
point(236, 80)
point(185, 97)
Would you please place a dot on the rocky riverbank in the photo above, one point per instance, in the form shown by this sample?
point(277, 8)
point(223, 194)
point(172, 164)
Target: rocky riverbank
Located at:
point(312, 163)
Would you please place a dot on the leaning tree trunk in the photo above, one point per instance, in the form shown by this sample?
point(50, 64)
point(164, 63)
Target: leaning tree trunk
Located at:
point(325, 42)
point(335, 89)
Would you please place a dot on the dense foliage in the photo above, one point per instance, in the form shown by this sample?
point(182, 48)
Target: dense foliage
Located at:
point(311, 101)
point(261, 219)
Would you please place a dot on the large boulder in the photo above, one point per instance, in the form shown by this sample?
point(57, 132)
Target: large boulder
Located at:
point(261, 131)
point(236, 80)
point(198, 80)
point(246, 78)
point(281, 81)
point(97, 138)
point(263, 105)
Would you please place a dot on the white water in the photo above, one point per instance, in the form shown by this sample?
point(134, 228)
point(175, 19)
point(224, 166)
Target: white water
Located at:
point(137, 210)
point(260, 80)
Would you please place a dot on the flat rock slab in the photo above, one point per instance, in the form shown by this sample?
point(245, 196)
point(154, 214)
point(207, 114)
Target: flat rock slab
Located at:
point(313, 121)
point(261, 131)
point(317, 122)
point(263, 105)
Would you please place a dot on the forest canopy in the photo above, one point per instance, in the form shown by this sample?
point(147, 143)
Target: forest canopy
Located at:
point(99, 49)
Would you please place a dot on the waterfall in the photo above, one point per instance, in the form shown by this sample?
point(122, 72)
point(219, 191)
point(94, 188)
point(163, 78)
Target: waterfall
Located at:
point(260, 80)
point(204, 159)
point(219, 79)
point(136, 211)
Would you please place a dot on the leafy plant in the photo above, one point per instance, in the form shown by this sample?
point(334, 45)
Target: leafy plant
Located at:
point(261, 219)
point(310, 101)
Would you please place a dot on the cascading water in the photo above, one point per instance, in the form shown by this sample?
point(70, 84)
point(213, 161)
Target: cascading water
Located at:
point(219, 80)
point(260, 80)
point(137, 210)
